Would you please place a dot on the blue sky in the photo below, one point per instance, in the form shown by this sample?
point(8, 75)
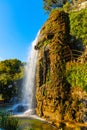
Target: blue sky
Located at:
point(20, 21)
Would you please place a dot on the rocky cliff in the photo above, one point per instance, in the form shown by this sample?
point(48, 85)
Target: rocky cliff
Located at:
point(54, 95)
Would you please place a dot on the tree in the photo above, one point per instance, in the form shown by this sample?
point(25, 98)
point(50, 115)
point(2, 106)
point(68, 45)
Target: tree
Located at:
point(11, 71)
point(48, 5)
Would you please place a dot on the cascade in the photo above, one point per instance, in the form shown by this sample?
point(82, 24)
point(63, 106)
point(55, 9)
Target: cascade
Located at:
point(29, 81)
point(28, 103)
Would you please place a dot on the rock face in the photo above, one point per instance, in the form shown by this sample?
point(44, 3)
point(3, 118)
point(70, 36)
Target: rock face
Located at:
point(52, 90)
point(50, 86)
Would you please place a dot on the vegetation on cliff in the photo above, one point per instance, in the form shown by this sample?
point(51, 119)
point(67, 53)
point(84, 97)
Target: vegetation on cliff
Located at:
point(11, 72)
point(78, 25)
point(77, 75)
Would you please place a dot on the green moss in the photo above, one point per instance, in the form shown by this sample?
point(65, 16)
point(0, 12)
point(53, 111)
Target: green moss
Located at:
point(45, 92)
point(34, 124)
point(46, 42)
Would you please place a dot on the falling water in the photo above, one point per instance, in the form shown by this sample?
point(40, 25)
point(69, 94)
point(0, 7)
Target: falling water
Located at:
point(27, 106)
point(29, 81)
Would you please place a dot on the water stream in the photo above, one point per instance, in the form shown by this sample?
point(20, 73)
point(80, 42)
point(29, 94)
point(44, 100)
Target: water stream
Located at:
point(29, 81)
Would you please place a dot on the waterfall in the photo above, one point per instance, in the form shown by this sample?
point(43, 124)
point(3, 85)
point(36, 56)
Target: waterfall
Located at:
point(27, 105)
point(29, 80)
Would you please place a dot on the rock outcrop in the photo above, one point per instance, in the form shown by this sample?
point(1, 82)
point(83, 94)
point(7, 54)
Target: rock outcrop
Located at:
point(53, 93)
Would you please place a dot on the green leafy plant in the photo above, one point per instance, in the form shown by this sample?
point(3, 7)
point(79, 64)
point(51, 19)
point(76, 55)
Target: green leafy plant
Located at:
point(77, 75)
point(8, 122)
point(78, 24)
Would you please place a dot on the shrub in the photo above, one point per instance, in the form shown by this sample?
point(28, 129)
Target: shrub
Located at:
point(77, 75)
point(78, 24)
